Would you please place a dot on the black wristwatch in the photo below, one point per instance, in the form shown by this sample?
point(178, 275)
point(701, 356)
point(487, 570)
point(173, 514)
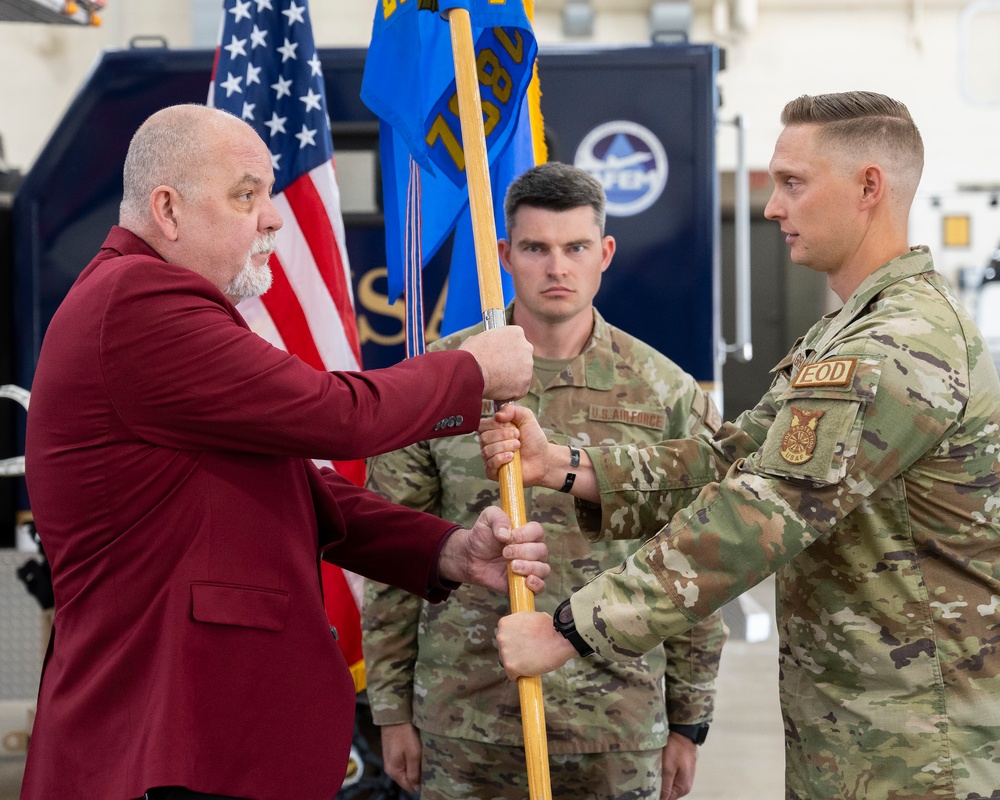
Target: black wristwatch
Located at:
point(696, 733)
point(562, 621)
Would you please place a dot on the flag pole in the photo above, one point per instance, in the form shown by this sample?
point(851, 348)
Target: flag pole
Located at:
point(491, 299)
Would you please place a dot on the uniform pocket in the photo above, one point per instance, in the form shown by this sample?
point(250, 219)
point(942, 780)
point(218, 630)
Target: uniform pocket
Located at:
point(817, 429)
point(243, 606)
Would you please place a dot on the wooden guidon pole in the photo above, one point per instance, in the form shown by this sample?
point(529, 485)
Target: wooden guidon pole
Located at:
point(491, 298)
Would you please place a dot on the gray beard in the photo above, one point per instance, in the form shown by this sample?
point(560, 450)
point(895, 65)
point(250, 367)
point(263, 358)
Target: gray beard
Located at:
point(251, 281)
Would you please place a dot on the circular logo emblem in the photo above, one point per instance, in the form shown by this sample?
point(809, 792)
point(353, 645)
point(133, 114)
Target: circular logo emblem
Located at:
point(630, 163)
point(797, 445)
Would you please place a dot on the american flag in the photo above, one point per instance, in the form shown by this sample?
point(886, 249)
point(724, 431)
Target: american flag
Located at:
point(268, 73)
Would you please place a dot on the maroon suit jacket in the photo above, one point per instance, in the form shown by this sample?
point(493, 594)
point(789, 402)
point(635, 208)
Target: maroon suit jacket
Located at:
point(168, 470)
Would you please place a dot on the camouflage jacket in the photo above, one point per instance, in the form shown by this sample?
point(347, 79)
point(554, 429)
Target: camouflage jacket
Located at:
point(437, 666)
point(867, 480)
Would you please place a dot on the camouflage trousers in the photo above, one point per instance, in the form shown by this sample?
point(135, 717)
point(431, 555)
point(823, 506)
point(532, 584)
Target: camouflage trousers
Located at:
point(458, 769)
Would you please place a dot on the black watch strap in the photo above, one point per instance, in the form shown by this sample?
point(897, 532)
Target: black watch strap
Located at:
point(574, 462)
point(697, 733)
point(562, 621)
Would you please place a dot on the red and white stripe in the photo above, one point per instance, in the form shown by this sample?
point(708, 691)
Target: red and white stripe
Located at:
point(309, 309)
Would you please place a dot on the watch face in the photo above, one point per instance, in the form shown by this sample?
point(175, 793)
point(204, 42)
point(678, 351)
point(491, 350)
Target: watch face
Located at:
point(566, 615)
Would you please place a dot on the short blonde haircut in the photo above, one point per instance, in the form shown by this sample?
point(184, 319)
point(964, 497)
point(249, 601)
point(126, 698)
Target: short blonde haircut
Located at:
point(866, 125)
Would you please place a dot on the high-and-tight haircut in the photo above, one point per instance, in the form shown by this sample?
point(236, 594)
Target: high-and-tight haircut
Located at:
point(866, 125)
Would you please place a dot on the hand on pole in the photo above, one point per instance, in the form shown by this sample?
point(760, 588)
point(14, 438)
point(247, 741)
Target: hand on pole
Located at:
point(504, 357)
point(481, 554)
point(514, 428)
point(530, 645)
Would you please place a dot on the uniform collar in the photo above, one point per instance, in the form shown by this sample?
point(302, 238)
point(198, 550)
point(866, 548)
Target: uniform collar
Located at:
point(594, 367)
point(916, 262)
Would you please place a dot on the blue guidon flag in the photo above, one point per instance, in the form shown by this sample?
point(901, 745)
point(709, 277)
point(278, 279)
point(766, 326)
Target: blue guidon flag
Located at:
point(409, 82)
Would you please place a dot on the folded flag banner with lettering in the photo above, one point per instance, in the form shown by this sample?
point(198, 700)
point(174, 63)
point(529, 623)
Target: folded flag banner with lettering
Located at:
point(409, 83)
point(268, 73)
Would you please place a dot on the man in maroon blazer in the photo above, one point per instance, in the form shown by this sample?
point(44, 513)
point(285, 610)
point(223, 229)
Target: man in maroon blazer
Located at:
point(169, 472)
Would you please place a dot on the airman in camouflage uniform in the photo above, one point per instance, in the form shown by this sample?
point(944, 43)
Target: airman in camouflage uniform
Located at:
point(866, 479)
point(436, 665)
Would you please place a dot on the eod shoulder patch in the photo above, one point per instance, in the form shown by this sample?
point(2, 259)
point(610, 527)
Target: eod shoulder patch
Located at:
point(832, 372)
